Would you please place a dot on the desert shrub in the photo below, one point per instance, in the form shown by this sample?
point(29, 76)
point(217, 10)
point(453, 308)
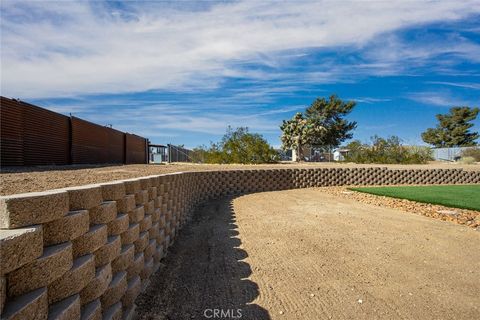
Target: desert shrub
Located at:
point(467, 160)
point(473, 152)
point(237, 146)
point(198, 154)
point(387, 151)
point(417, 154)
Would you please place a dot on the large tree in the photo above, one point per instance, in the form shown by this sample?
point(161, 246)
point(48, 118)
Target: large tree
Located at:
point(330, 114)
point(453, 129)
point(241, 146)
point(237, 146)
point(299, 132)
point(322, 125)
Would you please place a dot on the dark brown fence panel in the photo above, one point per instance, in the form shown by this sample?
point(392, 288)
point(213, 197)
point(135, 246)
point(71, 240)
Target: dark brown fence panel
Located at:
point(89, 142)
point(116, 146)
point(135, 149)
point(31, 135)
point(11, 133)
point(45, 137)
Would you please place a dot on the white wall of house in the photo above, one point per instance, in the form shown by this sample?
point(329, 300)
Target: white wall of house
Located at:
point(337, 156)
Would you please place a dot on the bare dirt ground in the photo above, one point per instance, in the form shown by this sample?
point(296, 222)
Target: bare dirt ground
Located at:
point(30, 179)
point(305, 254)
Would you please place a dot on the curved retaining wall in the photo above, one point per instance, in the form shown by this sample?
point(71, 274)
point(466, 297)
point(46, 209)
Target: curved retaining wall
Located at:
point(86, 252)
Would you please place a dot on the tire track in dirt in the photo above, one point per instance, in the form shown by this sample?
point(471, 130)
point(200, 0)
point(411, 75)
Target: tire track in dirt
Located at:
point(343, 252)
point(301, 254)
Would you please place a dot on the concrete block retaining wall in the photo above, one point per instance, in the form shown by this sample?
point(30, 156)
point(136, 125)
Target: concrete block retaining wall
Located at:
point(86, 252)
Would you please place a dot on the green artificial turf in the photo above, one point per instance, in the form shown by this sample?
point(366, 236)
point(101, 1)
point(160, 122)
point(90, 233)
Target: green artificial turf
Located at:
point(459, 196)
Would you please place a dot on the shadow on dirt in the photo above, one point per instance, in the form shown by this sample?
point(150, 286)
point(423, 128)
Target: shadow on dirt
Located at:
point(203, 275)
point(45, 168)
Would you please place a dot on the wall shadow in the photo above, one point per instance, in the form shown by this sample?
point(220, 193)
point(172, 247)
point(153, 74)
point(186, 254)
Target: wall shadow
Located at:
point(43, 168)
point(204, 272)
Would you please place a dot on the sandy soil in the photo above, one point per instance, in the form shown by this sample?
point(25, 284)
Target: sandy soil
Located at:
point(29, 179)
point(304, 254)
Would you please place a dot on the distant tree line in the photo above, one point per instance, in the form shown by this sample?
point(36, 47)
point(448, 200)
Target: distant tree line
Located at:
point(324, 125)
point(387, 150)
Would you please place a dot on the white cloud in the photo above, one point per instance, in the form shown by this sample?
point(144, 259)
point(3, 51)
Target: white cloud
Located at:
point(164, 120)
point(468, 85)
point(63, 49)
point(442, 99)
point(439, 52)
point(369, 100)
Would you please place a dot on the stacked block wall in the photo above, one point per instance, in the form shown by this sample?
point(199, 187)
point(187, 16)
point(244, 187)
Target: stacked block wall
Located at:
point(87, 252)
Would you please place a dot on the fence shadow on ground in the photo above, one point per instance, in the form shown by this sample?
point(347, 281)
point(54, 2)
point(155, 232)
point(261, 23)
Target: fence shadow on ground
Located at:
point(204, 272)
point(67, 167)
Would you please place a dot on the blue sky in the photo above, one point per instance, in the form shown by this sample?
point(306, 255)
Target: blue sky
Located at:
point(180, 72)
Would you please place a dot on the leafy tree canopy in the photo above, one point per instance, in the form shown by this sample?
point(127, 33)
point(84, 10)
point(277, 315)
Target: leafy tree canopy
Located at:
point(453, 129)
point(299, 131)
point(323, 124)
point(330, 114)
point(237, 146)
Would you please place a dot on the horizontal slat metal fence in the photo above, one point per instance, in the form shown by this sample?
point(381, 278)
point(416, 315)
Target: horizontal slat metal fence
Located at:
point(136, 149)
point(31, 136)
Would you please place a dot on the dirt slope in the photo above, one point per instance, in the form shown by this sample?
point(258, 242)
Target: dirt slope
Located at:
point(303, 254)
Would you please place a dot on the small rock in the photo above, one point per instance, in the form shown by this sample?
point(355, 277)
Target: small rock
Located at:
point(281, 312)
point(360, 301)
point(448, 212)
point(312, 295)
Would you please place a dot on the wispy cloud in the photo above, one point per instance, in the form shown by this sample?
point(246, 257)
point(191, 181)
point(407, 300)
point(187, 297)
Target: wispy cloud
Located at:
point(369, 100)
point(65, 49)
point(475, 86)
point(442, 99)
point(186, 70)
point(166, 119)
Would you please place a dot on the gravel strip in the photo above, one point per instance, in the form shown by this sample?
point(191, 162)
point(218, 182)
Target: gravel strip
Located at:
point(467, 217)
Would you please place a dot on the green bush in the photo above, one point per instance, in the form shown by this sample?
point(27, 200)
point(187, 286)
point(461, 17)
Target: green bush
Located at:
point(237, 146)
point(387, 151)
point(467, 160)
point(473, 152)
